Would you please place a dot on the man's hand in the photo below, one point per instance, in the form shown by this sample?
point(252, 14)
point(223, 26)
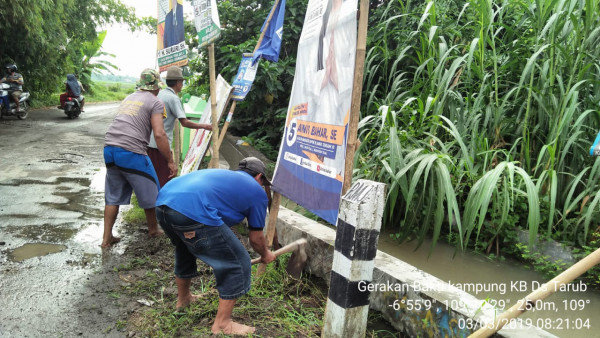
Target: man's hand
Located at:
point(259, 244)
point(268, 257)
point(172, 169)
point(193, 125)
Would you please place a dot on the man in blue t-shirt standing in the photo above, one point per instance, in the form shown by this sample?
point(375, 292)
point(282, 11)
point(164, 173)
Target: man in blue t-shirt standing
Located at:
point(196, 211)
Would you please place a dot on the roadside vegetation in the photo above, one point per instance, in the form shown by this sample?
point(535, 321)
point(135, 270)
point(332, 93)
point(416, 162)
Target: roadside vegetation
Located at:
point(50, 39)
point(109, 91)
point(478, 116)
point(277, 305)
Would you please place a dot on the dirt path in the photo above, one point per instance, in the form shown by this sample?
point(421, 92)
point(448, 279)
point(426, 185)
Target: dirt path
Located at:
point(51, 213)
point(55, 281)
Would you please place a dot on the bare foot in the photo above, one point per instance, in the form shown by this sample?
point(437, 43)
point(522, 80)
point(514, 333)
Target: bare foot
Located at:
point(156, 233)
point(188, 300)
point(113, 240)
point(233, 328)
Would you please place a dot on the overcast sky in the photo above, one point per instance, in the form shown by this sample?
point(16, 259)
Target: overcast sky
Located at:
point(135, 51)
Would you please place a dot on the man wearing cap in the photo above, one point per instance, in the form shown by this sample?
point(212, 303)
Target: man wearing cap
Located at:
point(128, 167)
point(196, 211)
point(174, 112)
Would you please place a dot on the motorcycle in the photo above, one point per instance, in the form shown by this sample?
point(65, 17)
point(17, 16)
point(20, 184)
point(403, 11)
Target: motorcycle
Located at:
point(9, 108)
point(72, 107)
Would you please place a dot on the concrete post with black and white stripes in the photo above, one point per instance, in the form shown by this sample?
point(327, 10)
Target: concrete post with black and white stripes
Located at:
point(359, 221)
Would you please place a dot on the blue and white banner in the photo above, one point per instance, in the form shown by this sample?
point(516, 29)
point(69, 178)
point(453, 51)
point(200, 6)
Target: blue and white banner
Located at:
point(271, 42)
point(310, 166)
point(244, 78)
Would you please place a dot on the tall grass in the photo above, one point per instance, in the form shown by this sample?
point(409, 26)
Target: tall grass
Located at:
point(479, 115)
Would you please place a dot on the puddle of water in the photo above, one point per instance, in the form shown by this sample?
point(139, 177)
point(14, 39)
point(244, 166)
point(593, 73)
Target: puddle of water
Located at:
point(504, 283)
point(31, 250)
point(45, 232)
point(97, 183)
point(90, 233)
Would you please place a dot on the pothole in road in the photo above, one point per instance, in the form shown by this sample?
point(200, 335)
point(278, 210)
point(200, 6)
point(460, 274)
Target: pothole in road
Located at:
point(65, 158)
point(31, 250)
point(45, 232)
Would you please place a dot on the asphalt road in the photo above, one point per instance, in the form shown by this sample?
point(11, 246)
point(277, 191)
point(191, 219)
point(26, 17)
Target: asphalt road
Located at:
point(51, 208)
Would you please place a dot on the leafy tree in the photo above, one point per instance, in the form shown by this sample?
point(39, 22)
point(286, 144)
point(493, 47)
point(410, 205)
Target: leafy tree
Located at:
point(45, 37)
point(261, 115)
point(90, 63)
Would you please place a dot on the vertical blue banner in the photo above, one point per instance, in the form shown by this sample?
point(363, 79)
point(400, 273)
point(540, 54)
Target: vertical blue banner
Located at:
point(271, 42)
point(244, 78)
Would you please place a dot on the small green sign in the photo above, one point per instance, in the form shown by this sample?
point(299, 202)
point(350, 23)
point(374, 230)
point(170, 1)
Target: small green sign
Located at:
point(206, 20)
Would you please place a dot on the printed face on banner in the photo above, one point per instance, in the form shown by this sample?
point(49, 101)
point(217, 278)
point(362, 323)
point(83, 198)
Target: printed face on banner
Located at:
point(172, 50)
point(312, 156)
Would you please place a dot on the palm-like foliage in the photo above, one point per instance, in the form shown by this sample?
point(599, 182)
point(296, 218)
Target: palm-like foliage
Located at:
point(500, 95)
point(91, 62)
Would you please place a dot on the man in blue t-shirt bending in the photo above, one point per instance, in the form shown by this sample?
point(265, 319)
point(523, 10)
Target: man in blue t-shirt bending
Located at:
point(196, 211)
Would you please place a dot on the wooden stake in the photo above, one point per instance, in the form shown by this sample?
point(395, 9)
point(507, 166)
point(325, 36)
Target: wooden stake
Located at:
point(359, 68)
point(271, 227)
point(177, 144)
point(214, 162)
point(274, 209)
point(232, 108)
point(538, 295)
point(226, 125)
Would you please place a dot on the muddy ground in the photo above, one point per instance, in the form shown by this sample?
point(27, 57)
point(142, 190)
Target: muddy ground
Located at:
point(55, 281)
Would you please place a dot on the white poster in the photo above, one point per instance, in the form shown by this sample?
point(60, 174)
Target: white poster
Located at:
point(198, 147)
point(206, 20)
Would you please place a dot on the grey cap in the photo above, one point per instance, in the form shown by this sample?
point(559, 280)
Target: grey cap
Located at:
point(174, 73)
point(254, 164)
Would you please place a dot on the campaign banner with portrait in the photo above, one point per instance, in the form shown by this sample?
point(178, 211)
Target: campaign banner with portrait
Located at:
point(201, 141)
point(310, 166)
point(206, 20)
point(172, 50)
point(244, 78)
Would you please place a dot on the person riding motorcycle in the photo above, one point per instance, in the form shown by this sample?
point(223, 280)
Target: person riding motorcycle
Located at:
point(74, 89)
point(15, 80)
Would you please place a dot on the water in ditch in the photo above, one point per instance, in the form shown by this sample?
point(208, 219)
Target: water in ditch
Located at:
point(570, 313)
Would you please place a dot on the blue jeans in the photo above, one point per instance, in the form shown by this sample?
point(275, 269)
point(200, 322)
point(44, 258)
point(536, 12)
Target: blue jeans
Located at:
point(216, 246)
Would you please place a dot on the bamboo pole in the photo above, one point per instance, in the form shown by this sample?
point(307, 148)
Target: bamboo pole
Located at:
point(262, 34)
point(261, 37)
point(214, 162)
point(538, 295)
point(271, 226)
point(227, 121)
point(276, 199)
point(233, 105)
point(359, 69)
point(177, 143)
